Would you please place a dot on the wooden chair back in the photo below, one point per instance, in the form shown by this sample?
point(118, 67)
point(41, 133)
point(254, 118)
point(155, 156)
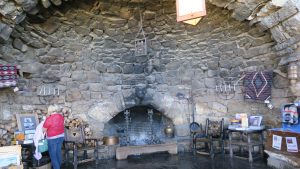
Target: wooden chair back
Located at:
point(214, 129)
point(74, 135)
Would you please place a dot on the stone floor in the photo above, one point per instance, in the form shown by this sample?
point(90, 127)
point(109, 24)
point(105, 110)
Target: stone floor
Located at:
point(181, 161)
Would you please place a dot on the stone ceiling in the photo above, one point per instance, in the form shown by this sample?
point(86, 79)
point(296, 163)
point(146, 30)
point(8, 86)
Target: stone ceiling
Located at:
point(280, 17)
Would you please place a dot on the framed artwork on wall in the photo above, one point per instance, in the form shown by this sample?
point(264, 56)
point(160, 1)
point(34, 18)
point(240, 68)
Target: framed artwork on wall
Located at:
point(27, 122)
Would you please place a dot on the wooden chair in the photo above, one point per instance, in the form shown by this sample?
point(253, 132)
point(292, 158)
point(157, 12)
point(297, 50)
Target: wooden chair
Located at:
point(76, 143)
point(196, 133)
point(214, 133)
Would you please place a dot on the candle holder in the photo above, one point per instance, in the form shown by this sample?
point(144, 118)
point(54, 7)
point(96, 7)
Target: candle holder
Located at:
point(226, 89)
point(46, 93)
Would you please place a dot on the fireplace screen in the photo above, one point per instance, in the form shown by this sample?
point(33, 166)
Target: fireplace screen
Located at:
point(138, 126)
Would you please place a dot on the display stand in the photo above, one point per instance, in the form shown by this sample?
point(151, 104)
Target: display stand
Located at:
point(279, 155)
point(283, 134)
point(290, 128)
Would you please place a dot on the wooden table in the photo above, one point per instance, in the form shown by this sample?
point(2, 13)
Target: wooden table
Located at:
point(250, 143)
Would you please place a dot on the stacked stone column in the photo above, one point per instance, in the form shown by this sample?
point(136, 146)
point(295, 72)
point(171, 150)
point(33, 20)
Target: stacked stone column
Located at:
point(293, 75)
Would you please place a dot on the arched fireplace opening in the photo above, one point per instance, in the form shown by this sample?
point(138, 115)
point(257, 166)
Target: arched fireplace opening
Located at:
point(140, 125)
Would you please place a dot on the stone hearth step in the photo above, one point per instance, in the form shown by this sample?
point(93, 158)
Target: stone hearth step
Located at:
point(123, 152)
point(281, 161)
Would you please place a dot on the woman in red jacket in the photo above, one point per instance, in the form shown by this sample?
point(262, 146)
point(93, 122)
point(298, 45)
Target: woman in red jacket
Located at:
point(54, 127)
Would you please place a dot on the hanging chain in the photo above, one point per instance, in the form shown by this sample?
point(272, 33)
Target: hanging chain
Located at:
point(141, 30)
point(140, 42)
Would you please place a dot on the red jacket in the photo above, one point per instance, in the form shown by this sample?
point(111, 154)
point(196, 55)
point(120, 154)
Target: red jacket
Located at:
point(54, 125)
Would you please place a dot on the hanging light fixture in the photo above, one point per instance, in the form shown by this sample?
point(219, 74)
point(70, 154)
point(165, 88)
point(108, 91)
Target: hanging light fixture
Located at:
point(140, 39)
point(190, 11)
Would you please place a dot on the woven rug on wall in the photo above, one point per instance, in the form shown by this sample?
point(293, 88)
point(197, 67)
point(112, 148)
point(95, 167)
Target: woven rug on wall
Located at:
point(258, 85)
point(8, 76)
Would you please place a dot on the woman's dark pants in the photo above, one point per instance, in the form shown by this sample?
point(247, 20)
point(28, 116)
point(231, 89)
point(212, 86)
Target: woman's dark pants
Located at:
point(54, 149)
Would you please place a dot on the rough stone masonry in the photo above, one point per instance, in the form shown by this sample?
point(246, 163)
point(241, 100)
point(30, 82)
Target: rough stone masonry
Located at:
point(86, 49)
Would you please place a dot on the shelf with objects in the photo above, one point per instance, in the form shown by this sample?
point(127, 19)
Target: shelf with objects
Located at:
point(10, 157)
point(246, 134)
point(283, 143)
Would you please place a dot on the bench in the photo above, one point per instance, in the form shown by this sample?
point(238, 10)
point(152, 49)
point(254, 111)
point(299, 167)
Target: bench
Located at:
point(123, 152)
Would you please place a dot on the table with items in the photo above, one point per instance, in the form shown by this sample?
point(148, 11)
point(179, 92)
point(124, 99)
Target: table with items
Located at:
point(245, 139)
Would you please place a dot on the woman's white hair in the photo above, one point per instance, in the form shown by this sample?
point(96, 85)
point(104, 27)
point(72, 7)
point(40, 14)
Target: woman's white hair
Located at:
point(54, 108)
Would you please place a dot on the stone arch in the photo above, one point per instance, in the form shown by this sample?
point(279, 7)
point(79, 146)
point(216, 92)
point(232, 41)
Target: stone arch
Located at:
point(280, 17)
point(178, 110)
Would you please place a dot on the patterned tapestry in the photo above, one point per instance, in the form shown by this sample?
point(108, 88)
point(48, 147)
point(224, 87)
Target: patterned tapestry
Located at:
point(8, 76)
point(258, 85)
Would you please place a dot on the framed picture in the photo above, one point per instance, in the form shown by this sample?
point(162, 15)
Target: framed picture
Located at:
point(255, 120)
point(27, 122)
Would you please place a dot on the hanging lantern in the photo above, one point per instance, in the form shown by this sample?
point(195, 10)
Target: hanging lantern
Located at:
point(190, 11)
point(140, 46)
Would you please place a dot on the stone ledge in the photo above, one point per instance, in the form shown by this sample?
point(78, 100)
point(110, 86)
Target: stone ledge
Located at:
point(278, 16)
point(280, 161)
point(123, 152)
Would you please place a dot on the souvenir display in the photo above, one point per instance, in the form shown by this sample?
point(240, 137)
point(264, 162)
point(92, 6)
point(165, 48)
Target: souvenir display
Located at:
point(290, 114)
point(277, 140)
point(291, 143)
point(255, 120)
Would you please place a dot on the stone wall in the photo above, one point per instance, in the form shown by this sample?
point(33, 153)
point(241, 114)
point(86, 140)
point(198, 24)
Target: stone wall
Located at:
point(280, 17)
point(87, 51)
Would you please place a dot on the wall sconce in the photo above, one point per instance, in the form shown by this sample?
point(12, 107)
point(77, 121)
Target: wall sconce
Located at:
point(269, 104)
point(190, 11)
point(293, 72)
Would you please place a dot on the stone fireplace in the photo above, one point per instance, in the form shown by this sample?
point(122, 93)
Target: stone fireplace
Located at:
point(109, 115)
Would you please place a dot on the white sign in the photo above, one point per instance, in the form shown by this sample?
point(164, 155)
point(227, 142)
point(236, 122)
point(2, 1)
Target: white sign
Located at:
point(291, 144)
point(277, 140)
point(190, 6)
point(190, 10)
